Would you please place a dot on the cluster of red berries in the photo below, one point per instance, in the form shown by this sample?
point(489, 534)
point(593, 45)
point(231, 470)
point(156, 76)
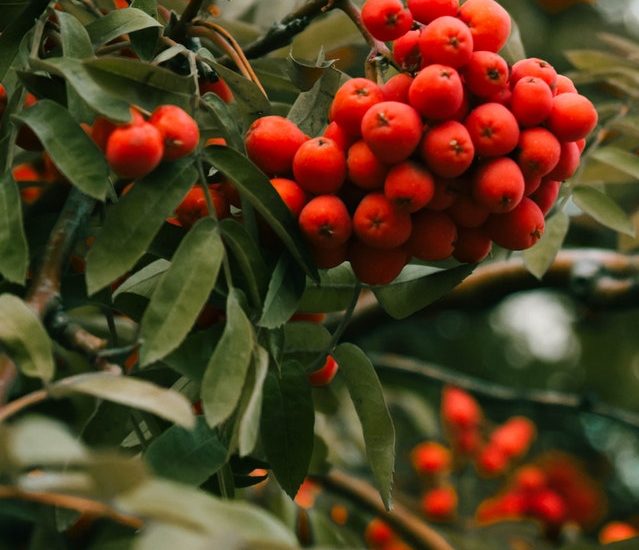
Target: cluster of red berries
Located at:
point(135, 149)
point(455, 153)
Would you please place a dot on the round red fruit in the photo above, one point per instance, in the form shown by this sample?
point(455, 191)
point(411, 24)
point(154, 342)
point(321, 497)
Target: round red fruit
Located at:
point(426, 11)
point(460, 410)
point(179, 131)
point(292, 194)
point(546, 195)
point(538, 152)
point(439, 504)
point(468, 213)
point(194, 206)
point(134, 151)
point(409, 186)
point(352, 101)
point(489, 23)
point(472, 245)
point(406, 52)
point(531, 101)
point(534, 67)
point(364, 169)
point(437, 92)
point(433, 237)
point(271, 143)
point(572, 118)
point(446, 40)
point(448, 149)
point(568, 162)
point(319, 166)
point(325, 374)
point(486, 74)
point(392, 130)
point(518, 229)
point(378, 223)
point(564, 85)
point(446, 193)
point(386, 19)
point(498, 185)
point(431, 458)
point(396, 88)
point(326, 258)
point(335, 132)
point(493, 130)
point(375, 266)
point(325, 222)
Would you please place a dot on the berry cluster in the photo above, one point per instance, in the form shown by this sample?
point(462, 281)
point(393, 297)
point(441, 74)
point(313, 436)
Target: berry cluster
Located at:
point(137, 148)
point(454, 153)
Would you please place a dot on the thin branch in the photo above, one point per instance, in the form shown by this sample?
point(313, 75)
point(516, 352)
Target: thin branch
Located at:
point(378, 48)
point(190, 12)
point(8, 375)
point(23, 402)
point(388, 364)
point(404, 522)
point(72, 502)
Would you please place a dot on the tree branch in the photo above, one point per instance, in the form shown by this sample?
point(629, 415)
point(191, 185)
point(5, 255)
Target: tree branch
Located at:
point(71, 502)
point(406, 523)
point(387, 364)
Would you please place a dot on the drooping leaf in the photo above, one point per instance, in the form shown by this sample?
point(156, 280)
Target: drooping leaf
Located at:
point(16, 30)
point(182, 291)
point(119, 22)
point(366, 392)
point(192, 356)
point(14, 253)
point(131, 224)
point(284, 293)
point(133, 392)
point(333, 292)
point(541, 256)
point(71, 150)
point(257, 189)
point(187, 456)
point(39, 441)
point(303, 337)
point(288, 420)
point(217, 112)
point(144, 41)
point(618, 158)
point(310, 108)
point(75, 39)
point(248, 257)
point(175, 504)
point(603, 209)
point(25, 339)
point(418, 287)
point(226, 371)
point(144, 281)
point(249, 426)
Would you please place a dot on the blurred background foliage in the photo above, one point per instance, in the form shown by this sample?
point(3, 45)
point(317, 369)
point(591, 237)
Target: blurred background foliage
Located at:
point(536, 339)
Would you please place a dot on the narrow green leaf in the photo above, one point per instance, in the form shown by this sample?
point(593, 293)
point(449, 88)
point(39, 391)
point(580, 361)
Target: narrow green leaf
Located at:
point(218, 113)
point(225, 374)
point(143, 282)
point(179, 505)
point(14, 253)
point(75, 39)
point(333, 292)
point(119, 22)
point(310, 108)
point(133, 392)
point(603, 209)
point(303, 337)
point(418, 287)
point(144, 42)
point(284, 293)
point(182, 291)
point(248, 257)
point(256, 187)
point(622, 160)
point(16, 30)
point(541, 256)
point(187, 456)
point(590, 60)
point(71, 150)
point(192, 356)
point(379, 434)
point(25, 339)
point(249, 427)
point(288, 420)
point(131, 224)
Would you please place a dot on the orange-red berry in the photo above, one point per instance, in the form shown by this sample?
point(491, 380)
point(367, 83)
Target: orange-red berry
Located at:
point(271, 143)
point(325, 222)
point(292, 194)
point(409, 186)
point(573, 117)
point(319, 166)
point(386, 19)
point(364, 168)
point(376, 266)
point(134, 150)
point(179, 131)
point(379, 223)
point(352, 101)
point(535, 67)
point(426, 11)
point(472, 245)
point(486, 74)
point(325, 374)
point(437, 92)
point(433, 237)
point(518, 229)
point(489, 23)
point(493, 130)
point(448, 149)
point(616, 531)
point(498, 184)
point(439, 504)
point(430, 458)
point(531, 101)
point(446, 40)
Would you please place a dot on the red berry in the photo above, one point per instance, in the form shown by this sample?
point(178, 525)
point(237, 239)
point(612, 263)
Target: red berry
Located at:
point(518, 229)
point(493, 130)
point(179, 131)
point(378, 223)
point(468, 213)
point(134, 151)
point(498, 184)
point(433, 236)
point(492, 461)
point(409, 186)
point(439, 504)
point(325, 374)
point(448, 149)
point(446, 40)
point(616, 531)
point(364, 169)
point(472, 245)
point(375, 266)
point(538, 152)
point(489, 23)
point(219, 88)
point(325, 222)
point(564, 85)
point(407, 53)
point(194, 206)
point(426, 11)
point(460, 410)
point(514, 437)
point(319, 166)
point(568, 162)
point(352, 101)
point(386, 19)
point(531, 101)
point(534, 67)
point(446, 193)
point(437, 92)
point(573, 117)
point(546, 195)
point(396, 88)
point(486, 74)
point(292, 194)
point(271, 143)
point(430, 458)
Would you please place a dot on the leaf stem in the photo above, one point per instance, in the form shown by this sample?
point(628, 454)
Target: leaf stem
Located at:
point(21, 403)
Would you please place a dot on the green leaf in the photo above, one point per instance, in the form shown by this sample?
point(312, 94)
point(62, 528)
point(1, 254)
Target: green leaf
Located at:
point(75, 39)
point(257, 189)
point(71, 150)
point(143, 282)
point(182, 291)
point(418, 287)
point(131, 224)
point(540, 257)
point(284, 293)
point(603, 209)
point(144, 41)
point(192, 356)
point(225, 124)
point(379, 434)
point(514, 49)
point(304, 337)
point(591, 60)
point(622, 160)
point(133, 392)
point(119, 22)
point(39, 441)
point(249, 426)
point(333, 292)
point(189, 457)
point(248, 257)
point(179, 505)
point(225, 374)
point(310, 109)
point(16, 30)
point(25, 339)
point(14, 253)
point(288, 420)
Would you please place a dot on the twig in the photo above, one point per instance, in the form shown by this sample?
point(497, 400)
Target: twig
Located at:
point(388, 364)
point(353, 13)
point(189, 13)
point(219, 40)
point(72, 502)
point(8, 374)
point(23, 402)
point(405, 522)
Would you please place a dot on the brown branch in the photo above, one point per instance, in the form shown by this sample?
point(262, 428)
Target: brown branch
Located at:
point(23, 402)
point(190, 12)
point(390, 364)
point(72, 502)
point(8, 375)
point(406, 523)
